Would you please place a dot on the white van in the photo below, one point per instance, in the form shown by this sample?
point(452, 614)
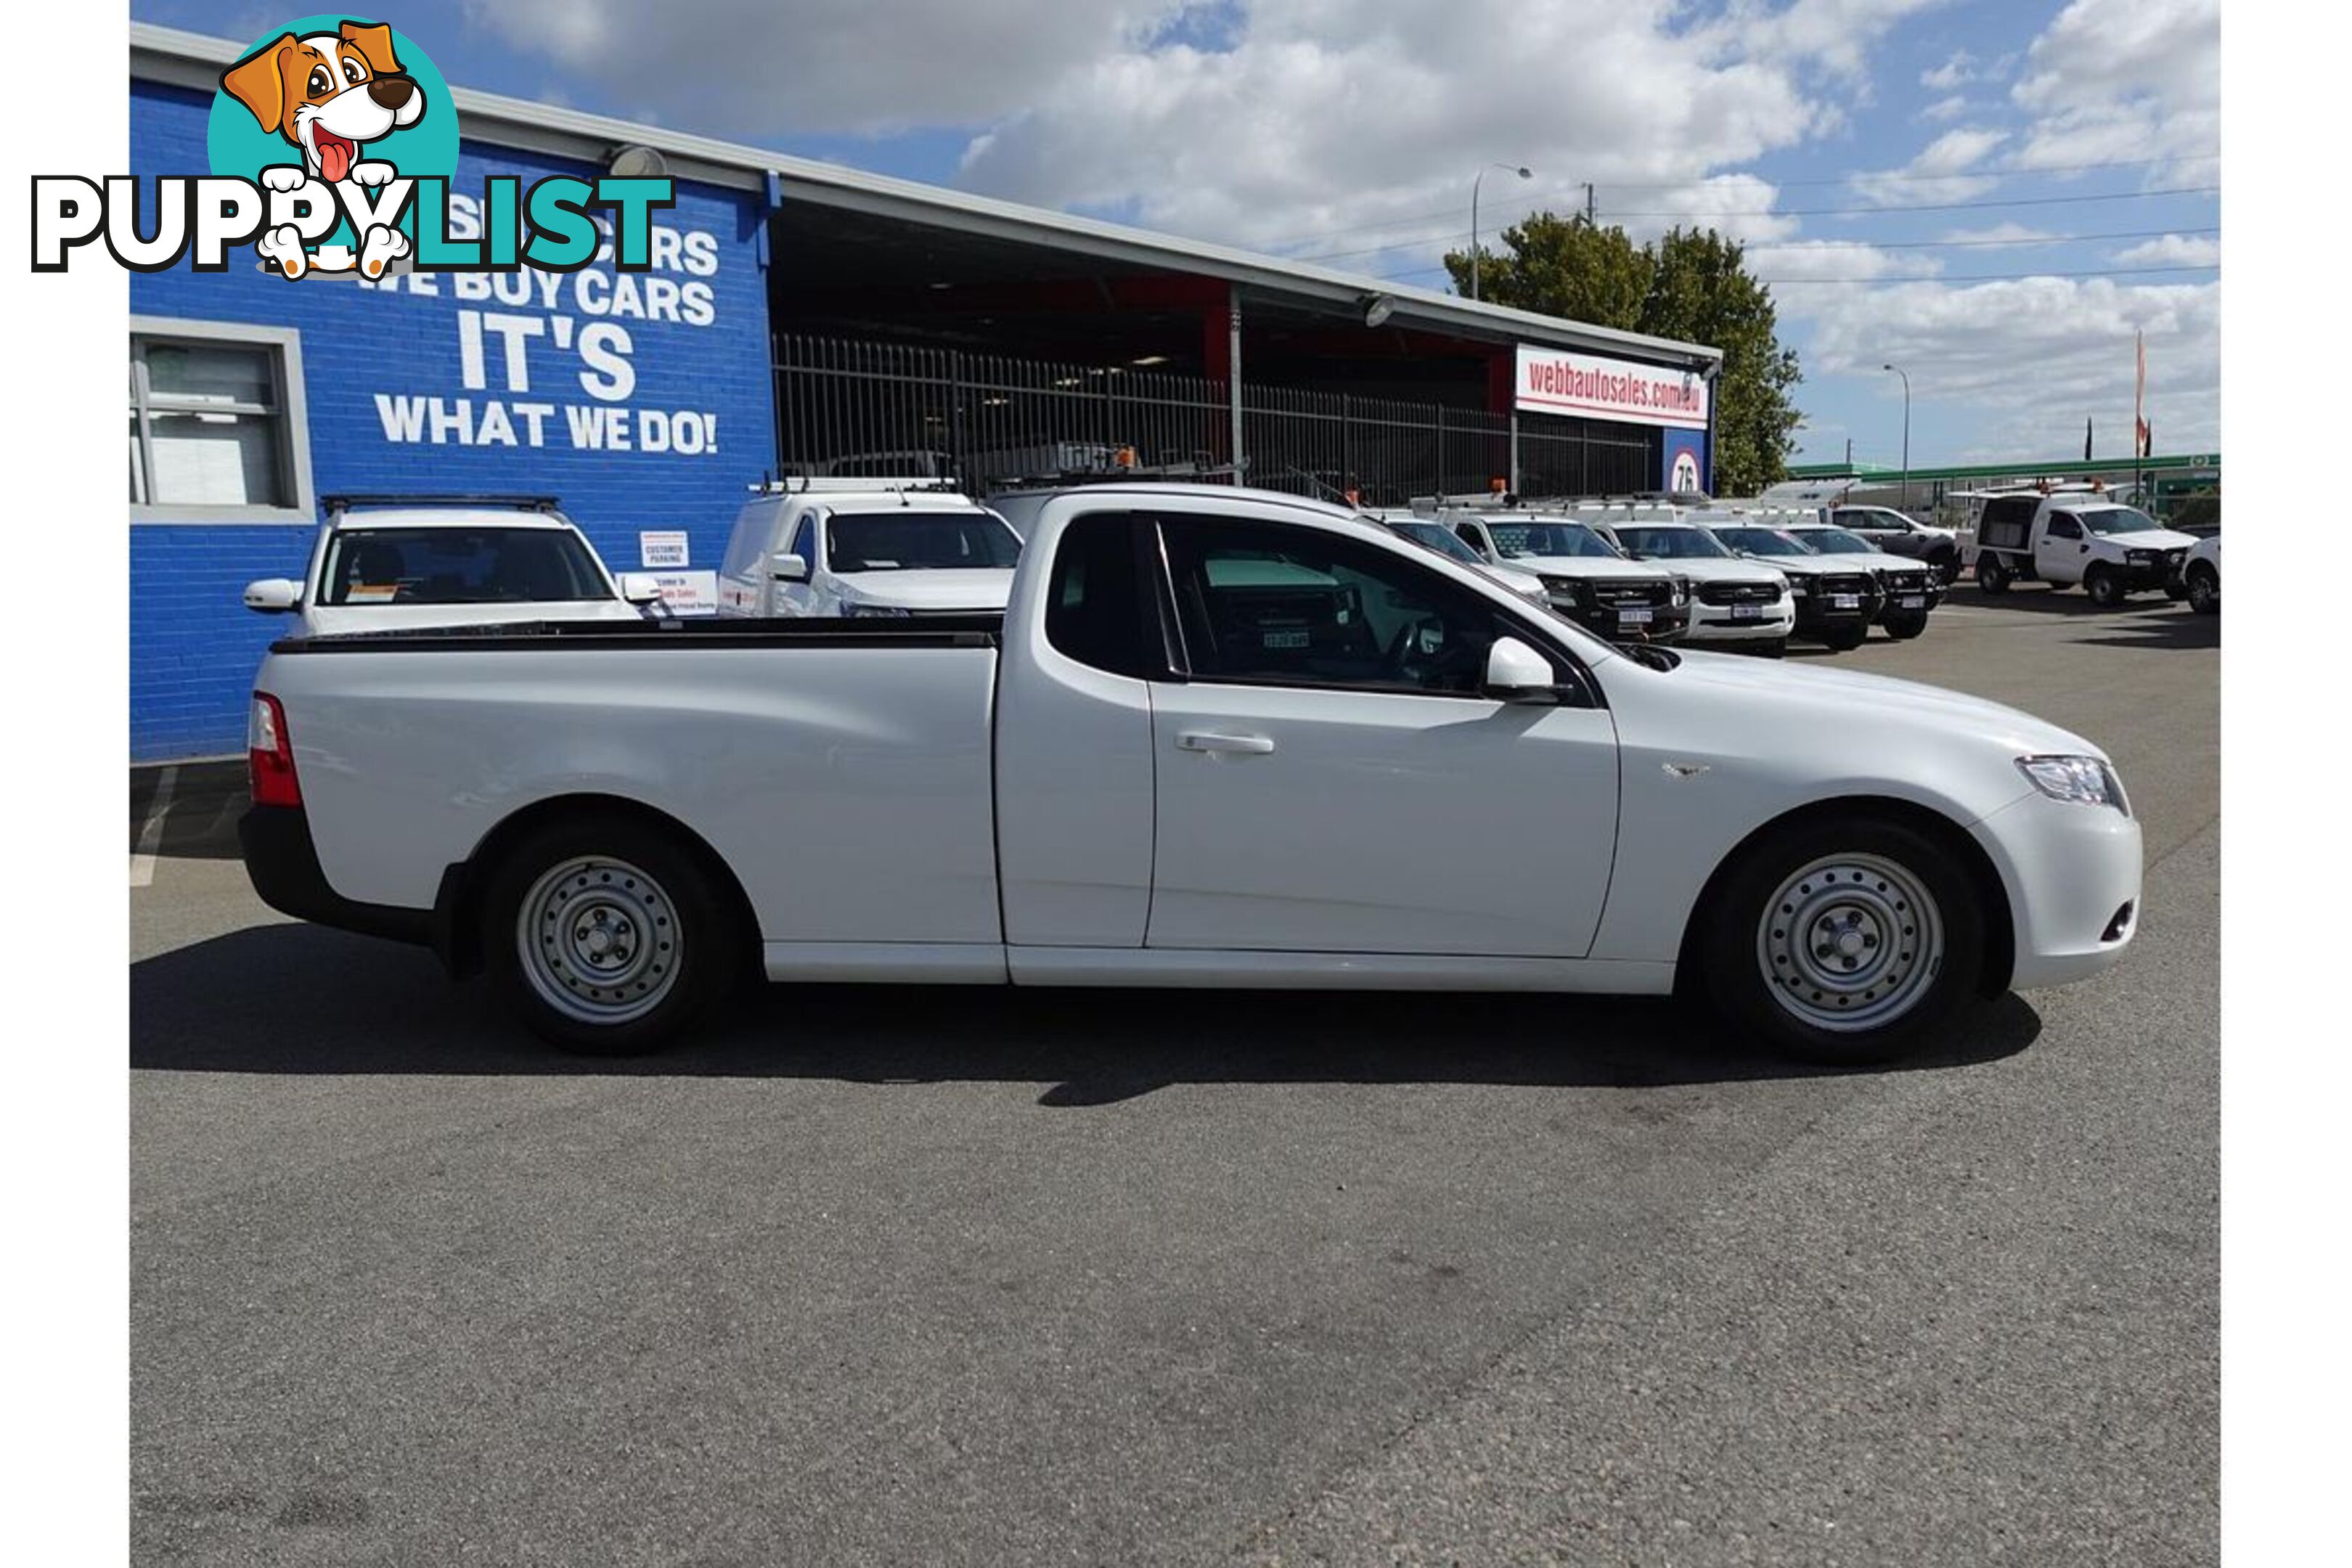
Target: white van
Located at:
point(866, 547)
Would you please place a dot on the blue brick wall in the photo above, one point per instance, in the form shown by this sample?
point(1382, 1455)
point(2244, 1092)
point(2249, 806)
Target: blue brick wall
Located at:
point(193, 646)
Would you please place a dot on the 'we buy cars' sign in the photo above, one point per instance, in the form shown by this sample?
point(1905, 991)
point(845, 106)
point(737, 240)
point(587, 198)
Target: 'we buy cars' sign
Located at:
point(1595, 386)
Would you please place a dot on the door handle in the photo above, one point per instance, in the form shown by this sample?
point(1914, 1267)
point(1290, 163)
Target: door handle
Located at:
point(1203, 741)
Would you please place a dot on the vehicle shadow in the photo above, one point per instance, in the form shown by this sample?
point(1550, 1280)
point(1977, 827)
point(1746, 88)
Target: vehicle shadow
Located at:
point(2040, 599)
point(300, 999)
point(2188, 631)
point(198, 820)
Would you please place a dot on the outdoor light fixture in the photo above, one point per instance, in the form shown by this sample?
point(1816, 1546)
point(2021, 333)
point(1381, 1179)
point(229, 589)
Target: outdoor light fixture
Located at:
point(1149, 359)
point(1523, 172)
point(636, 162)
point(1377, 308)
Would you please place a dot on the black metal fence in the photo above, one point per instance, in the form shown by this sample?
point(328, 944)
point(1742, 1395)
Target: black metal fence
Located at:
point(851, 407)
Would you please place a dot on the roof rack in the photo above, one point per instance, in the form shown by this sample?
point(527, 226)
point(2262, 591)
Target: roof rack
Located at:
point(1171, 471)
point(826, 484)
point(345, 500)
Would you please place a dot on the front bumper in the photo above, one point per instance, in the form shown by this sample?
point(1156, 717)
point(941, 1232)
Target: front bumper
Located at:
point(1611, 624)
point(2072, 876)
point(1818, 612)
point(1899, 601)
point(1717, 624)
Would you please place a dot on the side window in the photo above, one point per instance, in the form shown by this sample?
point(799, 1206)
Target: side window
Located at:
point(805, 539)
point(1262, 603)
point(2063, 526)
point(1467, 533)
point(1095, 609)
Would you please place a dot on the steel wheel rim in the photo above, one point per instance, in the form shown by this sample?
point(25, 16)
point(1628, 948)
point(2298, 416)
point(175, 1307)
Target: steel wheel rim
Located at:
point(1850, 942)
point(599, 940)
point(2200, 593)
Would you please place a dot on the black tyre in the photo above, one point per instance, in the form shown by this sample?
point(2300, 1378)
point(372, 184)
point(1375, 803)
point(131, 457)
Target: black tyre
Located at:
point(1775, 648)
point(1847, 941)
point(1844, 640)
point(1946, 564)
point(2106, 589)
point(2204, 590)
point(1903, 629)
point(1992, 574)
point(606, 935)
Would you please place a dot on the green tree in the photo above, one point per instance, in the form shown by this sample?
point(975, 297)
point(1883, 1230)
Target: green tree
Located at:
point(1561, 267)
point(1693, 285)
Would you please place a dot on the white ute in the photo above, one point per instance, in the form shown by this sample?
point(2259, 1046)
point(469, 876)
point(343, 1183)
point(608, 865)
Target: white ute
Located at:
point(2072, 537)
point(1220, 737)
point(890, 548)
point(406, 562)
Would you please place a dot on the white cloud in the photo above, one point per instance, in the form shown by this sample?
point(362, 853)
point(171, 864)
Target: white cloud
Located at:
point(1997, 236)
point(2039, 355)
point(2124, 79)
point(2173, 250)
point(1810, 264)
point(1959, 68)
point(1327, 115)
point(750, 68)
point(1945, 109)
point(1941, 172)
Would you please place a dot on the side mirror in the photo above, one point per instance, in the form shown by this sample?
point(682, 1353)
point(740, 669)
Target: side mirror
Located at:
point(1517, 673)
point(273, 596)
point(640, 587)
point(788, 569)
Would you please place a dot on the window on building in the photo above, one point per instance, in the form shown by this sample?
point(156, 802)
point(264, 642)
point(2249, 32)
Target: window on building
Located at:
point(215, 423)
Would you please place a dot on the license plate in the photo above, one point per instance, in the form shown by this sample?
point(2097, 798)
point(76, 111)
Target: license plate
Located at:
point(1915, 601)
point(1632, 617)
point(1845, 601)
point(1746, 612)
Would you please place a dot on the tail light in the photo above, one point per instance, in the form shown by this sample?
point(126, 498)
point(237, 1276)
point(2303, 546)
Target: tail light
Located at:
point(270, 755)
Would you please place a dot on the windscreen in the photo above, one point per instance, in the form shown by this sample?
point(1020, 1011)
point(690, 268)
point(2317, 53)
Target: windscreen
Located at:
point(909, 541)
point(1438, 538)
point(1763, 541)
point(1570, 539)
point(1671, 543)
point(2117, 520)
point(1838, 541)
point(459, 566)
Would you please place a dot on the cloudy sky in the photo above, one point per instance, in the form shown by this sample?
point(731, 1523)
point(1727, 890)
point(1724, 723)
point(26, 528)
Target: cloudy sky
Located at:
point(1993, 195)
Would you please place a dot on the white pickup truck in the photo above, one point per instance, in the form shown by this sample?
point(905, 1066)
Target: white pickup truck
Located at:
point(1220, 737)
point(2071, 537)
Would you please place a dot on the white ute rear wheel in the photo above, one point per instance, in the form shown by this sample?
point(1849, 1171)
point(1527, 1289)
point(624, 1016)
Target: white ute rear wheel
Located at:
point(606, 935)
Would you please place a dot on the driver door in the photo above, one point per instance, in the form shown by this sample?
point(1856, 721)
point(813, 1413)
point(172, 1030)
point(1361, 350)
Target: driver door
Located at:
point(1330, 777)
point(2059, 554)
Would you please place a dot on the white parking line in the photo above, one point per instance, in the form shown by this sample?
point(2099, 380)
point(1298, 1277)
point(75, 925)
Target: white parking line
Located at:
point(150, 832)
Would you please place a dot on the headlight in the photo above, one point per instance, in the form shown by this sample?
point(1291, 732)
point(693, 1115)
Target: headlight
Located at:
point(856, 608)
point(2084, 780)
point(1582, 592)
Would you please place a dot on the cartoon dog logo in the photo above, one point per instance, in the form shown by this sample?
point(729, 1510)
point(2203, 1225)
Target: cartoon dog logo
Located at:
point(329, 94)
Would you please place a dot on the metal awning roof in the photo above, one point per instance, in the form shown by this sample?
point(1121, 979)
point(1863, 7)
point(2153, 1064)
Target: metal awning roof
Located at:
point(194, 60)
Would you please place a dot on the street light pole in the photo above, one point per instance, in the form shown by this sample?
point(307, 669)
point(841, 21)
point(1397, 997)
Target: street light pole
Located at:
point(1907, 434)
point(1522, 172)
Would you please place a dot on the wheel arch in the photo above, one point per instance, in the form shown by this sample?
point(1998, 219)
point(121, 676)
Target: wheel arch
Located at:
point(457, 912)
point(1992, 894)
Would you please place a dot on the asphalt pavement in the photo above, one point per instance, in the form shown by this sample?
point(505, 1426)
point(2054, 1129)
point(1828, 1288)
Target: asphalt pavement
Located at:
point(975, 1276)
